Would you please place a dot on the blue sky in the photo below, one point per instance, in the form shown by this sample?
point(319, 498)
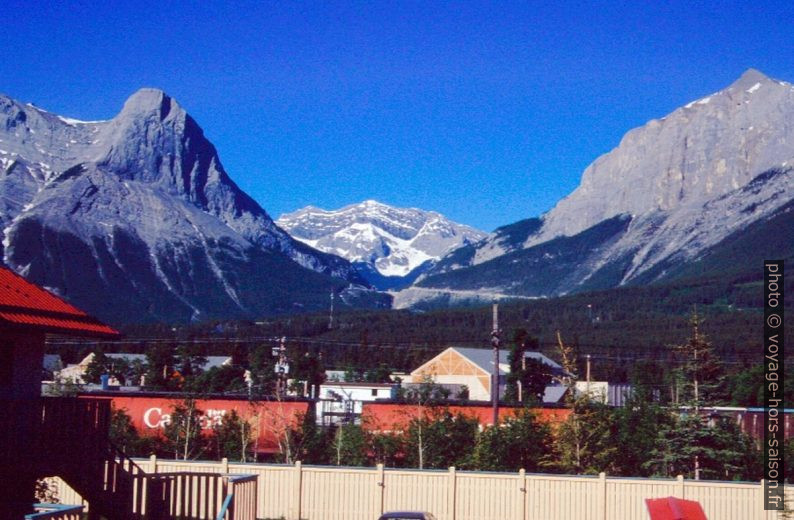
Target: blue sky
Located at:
point(487, 112)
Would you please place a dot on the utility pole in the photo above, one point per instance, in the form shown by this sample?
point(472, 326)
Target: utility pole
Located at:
point(495, 376)
point(282, 368)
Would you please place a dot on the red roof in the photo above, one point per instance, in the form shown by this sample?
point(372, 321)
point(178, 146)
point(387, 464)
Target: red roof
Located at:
point(25, 304)
point(672, 508)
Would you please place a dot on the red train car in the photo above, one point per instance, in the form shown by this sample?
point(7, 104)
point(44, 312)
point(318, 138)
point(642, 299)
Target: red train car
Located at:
point(393, 417)
point(269, 419)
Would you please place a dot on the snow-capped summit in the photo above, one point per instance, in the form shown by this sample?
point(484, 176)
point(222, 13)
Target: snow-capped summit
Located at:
point(393, 241)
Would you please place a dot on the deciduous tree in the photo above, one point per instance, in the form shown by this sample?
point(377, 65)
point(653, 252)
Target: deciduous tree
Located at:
point(517, 442)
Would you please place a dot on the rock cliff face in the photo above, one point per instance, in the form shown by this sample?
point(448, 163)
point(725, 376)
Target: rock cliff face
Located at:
point(388, 244)
point(681, 184)
point(140, 204)
point(701, 151)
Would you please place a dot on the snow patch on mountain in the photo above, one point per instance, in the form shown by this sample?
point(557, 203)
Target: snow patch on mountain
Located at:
point(394, 241)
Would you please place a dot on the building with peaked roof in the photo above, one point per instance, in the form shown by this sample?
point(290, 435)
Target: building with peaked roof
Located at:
point(472, 367)
point(27, 314)
point(68, 437)
point(25, 306)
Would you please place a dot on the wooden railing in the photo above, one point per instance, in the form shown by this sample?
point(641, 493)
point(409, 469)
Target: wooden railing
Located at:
point(240, 503)
point(55, 512)
point(205, 496)
point(122, 482)
point(68, 437)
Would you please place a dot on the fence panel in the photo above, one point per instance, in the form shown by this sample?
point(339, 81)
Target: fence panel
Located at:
point(418, 491)
point(339, 494)
point(559, 497)
point(275, 494)
point(736, 501)
point(330, 493)
point(626, 497)
point(489, 496)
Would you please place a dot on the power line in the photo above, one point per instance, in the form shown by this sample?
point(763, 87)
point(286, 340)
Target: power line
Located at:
point(622, 355)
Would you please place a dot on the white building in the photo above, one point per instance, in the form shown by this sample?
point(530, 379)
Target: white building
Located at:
point(604, 392)
point(343, 402)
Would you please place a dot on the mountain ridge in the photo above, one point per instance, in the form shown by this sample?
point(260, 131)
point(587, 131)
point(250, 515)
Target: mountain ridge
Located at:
point(71, 191)
point(388, 244)
point(685, 181)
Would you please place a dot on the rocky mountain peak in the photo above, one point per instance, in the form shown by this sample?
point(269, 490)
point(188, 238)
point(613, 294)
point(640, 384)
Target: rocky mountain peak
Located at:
point(749, 79)
point(149, 101)
point(392, 241)
point(142, 201)
point(704, 149)
point(673, 190)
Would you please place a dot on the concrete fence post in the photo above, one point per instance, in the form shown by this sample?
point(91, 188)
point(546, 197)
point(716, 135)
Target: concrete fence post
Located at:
point(522, 487)
point(602, 492)
point(382, 485)
point(762, 499)
point(144, 485)
point(224, 465)
point(297, 491)
point(679, 487)
point(451, 497)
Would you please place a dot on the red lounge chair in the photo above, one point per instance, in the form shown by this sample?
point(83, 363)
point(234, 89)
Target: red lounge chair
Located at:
point(672, 508)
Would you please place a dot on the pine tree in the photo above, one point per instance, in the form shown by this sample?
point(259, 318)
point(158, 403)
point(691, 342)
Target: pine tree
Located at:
point(587, 441)
point(528, 377)
point(701, 448)
point(99, 365)
point(262, 364)
point(160, 362)
point(190, 360)
point(638, 424)
point(699, 367)
point(124, 436)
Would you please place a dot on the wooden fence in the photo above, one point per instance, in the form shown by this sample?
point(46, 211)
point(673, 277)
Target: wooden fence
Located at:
point(333, 493)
